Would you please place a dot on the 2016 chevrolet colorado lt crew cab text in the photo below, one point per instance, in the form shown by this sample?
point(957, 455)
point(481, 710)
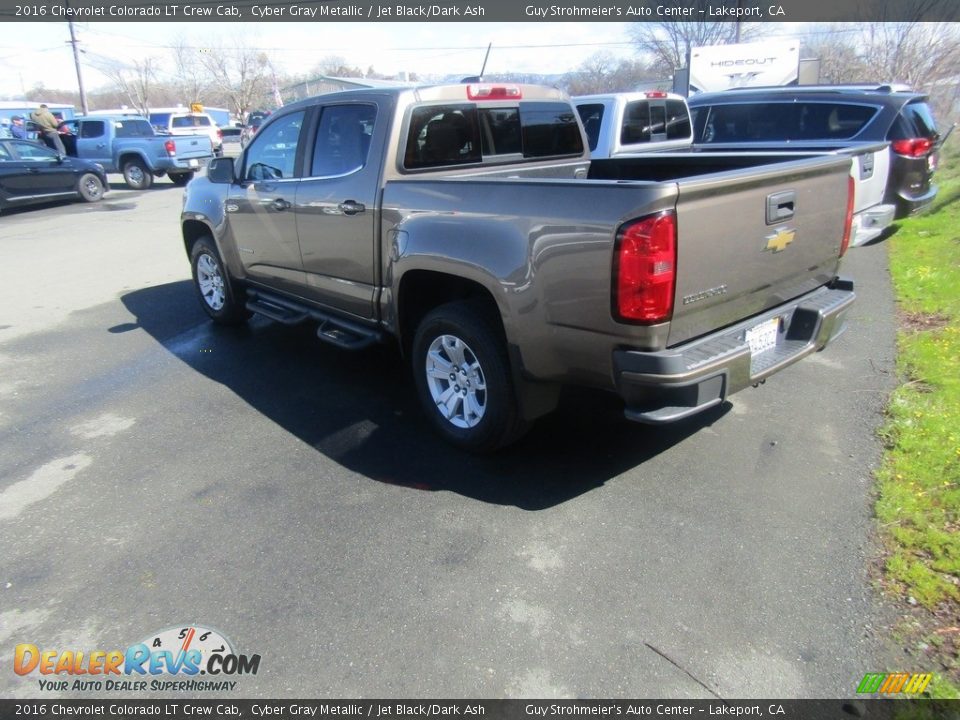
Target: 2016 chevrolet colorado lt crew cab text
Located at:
point(468, 223)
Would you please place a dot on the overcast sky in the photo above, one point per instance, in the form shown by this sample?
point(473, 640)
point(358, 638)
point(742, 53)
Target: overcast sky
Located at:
point(39, 52)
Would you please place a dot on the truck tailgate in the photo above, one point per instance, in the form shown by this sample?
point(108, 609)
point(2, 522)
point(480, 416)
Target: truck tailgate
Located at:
point(192, 146)
point(750, 240)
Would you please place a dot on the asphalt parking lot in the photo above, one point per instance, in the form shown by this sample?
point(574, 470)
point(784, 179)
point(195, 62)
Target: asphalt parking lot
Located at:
point(156, 471)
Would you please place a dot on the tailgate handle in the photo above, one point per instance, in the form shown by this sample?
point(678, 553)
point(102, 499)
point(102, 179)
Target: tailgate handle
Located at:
point(866, 166)
point(781, 206)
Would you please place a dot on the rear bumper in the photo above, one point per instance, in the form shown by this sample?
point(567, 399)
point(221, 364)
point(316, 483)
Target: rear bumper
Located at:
point(665, 386)
point(911, 205)
point(870, 224)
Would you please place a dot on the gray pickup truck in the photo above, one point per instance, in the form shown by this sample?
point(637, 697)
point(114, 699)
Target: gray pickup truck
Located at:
point(129, 145)
point(468, 223)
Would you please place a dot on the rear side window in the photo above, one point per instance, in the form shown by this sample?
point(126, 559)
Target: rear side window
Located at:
point(343, 140)
point(464, 134)
point(915, 121)
point(133, 128)
point(783, 121)
point(591, 115)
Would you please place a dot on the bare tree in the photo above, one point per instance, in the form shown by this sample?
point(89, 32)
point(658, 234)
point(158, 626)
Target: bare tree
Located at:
point(336, 66)
point(838, 51)
point(242, 75)
point(668, 43)
point(134, 79)
point(604, 73)
point(190, 79)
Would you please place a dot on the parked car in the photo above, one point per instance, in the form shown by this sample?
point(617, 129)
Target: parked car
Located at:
point(250, 129)
point(128, 144)
point(230, 135)
point(189, 123)
point(469, 224)
point(33, 173)
point(824, 117)
point(626, 123)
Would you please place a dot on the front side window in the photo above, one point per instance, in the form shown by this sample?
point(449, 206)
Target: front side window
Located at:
point(273, 153)
point(343, 139)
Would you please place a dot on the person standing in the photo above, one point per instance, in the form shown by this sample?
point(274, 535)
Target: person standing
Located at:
point(48, 127)
point(17, 130)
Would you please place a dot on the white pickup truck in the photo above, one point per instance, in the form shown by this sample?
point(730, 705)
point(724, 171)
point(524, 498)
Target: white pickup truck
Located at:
point(627, 123)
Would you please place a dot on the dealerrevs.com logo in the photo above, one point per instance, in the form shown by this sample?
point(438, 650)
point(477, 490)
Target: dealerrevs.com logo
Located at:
point(184, 652)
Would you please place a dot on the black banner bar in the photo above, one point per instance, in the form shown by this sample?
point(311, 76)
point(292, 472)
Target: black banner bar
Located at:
point(481, 10)
point(285, 709)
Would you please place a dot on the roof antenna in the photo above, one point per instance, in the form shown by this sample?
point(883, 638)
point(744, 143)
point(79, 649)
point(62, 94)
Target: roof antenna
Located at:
point(479, 78)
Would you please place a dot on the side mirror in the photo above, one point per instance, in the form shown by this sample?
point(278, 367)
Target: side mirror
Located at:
point(221, 170)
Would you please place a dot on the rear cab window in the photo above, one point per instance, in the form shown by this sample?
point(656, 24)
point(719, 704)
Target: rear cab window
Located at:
point(591, 115)
point(650, 121)
point(466, 133)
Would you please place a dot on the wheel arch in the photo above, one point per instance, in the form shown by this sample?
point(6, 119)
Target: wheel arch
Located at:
point(129, 155)
point(419, 291)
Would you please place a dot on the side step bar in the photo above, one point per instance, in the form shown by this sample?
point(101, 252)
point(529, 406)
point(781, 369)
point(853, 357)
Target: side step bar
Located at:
point(338, 331)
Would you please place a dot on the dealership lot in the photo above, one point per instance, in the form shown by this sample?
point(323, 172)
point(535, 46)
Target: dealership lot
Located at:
point(156, 471)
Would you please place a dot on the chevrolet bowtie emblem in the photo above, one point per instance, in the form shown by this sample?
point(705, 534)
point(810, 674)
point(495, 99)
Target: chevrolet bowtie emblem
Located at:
point(779, 240)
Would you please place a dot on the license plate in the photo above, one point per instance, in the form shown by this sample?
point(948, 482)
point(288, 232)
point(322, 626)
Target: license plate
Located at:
point(763, 337)
point(194, 163)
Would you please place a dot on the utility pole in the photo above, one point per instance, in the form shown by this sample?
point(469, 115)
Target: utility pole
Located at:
point(76, 61)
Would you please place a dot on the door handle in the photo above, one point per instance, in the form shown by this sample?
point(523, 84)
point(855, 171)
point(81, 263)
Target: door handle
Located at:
point(280, 205)
point(101, 146)
point(351, 207)
point(781, 206)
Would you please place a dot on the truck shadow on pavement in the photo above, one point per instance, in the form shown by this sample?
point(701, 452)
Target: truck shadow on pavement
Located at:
point(360, 410)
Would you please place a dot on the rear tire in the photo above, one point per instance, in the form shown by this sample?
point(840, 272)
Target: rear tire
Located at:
point(136, 175)
point(90, 187)
point(181, 179)
point(463, 378)
point(215, 289)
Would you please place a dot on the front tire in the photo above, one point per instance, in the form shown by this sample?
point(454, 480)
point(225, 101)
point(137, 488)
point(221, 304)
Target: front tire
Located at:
point(463, 379)
point(213, 285)
point(136, 175)
point(90, 187)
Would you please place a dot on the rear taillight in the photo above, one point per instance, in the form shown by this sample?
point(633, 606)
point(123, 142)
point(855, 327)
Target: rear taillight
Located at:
point(912, 147)
point(645, 269)
point(171, 148)
point(848, 218)
point(219, 134)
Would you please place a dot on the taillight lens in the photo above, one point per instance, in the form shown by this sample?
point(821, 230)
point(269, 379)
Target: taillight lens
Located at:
point(171, 148)
point(494, 92)
point(848, 219)
point(219, 134)
point(912, 147)
point(645, 269)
